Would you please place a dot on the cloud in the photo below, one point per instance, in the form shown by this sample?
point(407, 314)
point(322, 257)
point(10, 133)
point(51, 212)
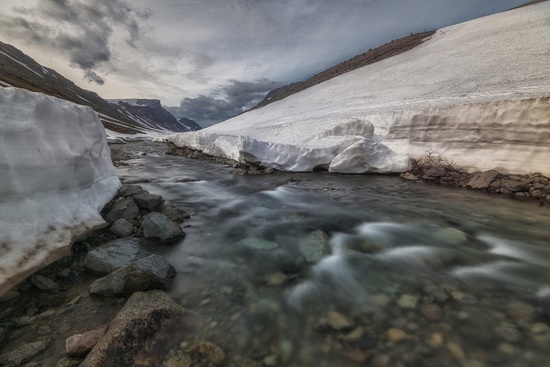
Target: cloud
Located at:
point(224, 103)
point(92, 77)
point(81, 29)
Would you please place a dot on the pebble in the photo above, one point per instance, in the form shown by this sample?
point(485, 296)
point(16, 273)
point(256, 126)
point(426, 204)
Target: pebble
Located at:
point(355, 335)
point(356, 355)
point(381, 360)
point(209, 351)
point(407, 301)
point(395, 335)
point(456, 351)
point(509, 332)
point(382, 300)
point(270, 361)
point(507, 349)
point(337, 321)
point(521, 311)
point(276, 279)
point(463, 297)
point(435, 340)
point(432, 312)
point(539, 328)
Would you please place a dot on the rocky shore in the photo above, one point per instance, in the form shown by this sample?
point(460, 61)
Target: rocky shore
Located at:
point(105, 303)
point(438, 170)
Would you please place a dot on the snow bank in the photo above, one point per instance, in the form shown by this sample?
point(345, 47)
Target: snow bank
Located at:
point(472, 92)
point(55, 177)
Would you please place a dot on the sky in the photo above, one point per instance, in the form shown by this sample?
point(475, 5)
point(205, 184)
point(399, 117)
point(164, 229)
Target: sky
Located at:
point(213, 59)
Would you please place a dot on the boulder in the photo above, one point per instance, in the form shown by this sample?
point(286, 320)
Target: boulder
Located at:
point(482, 180)
point(143, 315)
point(22, 354)
point(130, 190)
point(513, 186)
point(43, 283)
point(151, 272)
point(147, 201)
point(436, 172)
point(81, 344)
point(125, 208)
point(174, 213)
point(122, 228)
point(158, 227)
point(115, 255)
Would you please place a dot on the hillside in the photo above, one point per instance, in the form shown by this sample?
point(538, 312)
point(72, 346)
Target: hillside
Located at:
point(476, 93)
point(380, 53)
point(21, 71)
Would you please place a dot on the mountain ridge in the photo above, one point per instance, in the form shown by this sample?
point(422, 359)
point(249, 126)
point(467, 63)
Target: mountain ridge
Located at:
point(20, 70)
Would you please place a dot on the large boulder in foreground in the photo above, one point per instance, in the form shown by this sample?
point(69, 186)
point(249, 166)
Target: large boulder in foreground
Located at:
point(141, 318)
point(56, 175)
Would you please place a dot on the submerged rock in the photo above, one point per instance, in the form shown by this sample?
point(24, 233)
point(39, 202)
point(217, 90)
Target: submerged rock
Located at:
point(174, 213)
point(22, 354)
point(315, 246)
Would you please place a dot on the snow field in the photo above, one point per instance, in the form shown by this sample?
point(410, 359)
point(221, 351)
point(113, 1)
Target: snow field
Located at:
point(473, 93)
point(56, 176)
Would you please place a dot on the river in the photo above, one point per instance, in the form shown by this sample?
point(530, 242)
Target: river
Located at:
point(321, 269)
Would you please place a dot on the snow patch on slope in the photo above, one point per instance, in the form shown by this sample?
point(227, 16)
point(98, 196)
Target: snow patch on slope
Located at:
point(56, 176)
point(446, 94)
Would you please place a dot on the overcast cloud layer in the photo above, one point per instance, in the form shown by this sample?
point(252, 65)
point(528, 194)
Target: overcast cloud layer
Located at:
point(213, 59)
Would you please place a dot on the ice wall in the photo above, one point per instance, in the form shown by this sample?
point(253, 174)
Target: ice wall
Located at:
point(474, 92)
point(55, 177)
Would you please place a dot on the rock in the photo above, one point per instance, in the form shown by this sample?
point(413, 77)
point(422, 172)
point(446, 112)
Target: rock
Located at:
point(43, 283)
point(277, 278)
point(8, 296)
point(432, 312)
point(435, 340)
point(394, 335)
point(509, 332)
point(147, 201)
point(382, 299)
point(143, 315)
point(207, 351)
point(465, 298)
point(68, 362)
point(482, 180)
point(174, 213)
point(539, 328)
point(521, 311)
point(436, 172)
point(122, 228)
point(158, 227)
point(407, 301)
point(513, 186)
point(180, 359)
point(152, 272)
point(355, 335)
point(409, 176)
point(22, 354)
point(315, 246)
point(115, 255)
point(125, 208)
point(129, 190)
point(456, 351)
point(337, 321)
point(451, 236)
point(258, 244)
point(81, 344)
point(270, 361)
point(184, 179)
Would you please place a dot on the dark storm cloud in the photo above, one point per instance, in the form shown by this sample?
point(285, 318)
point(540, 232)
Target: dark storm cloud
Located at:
point(82, 29)
point(227, 102)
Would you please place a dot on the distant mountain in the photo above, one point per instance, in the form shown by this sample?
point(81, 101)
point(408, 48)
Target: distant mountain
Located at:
point(21, 71)
point(150, 114)
point(389, 49)
point(193, 124)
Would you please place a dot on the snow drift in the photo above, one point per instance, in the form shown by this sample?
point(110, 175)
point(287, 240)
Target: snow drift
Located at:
point(56, 175)
point(474, 92)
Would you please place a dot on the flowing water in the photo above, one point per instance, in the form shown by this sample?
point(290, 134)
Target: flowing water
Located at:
point(322, 269)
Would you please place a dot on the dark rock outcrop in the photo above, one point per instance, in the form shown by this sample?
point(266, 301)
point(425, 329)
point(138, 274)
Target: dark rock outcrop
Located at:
point(115, 255)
